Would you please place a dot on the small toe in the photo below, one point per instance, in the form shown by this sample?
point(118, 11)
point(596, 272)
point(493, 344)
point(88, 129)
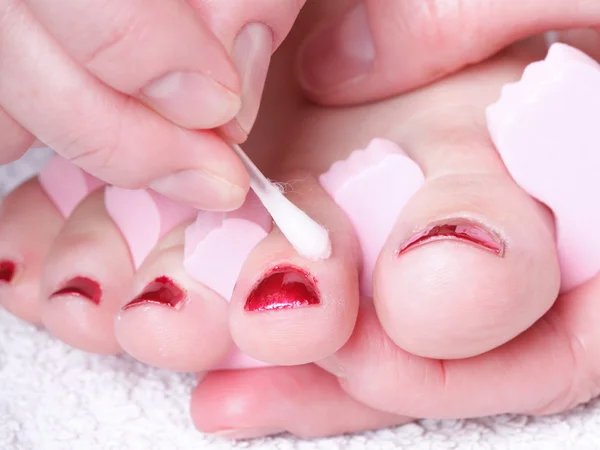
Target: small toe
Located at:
point(87, 275)
point(29, 222)
point(287, 309)
point(170, 320)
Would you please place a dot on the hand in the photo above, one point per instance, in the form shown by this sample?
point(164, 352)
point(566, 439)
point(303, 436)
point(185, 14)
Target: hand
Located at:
point(120, 87)
point(380, 48)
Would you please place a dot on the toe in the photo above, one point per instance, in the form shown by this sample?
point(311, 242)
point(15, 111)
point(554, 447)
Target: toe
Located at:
point(287, 309)
point(171, 320)
point(302, 400)
point(471, 261)
point(29, 222)
point(87, 274)
point(30, 219)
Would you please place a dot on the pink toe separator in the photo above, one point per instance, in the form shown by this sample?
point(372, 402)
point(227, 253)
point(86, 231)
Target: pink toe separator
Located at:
point(216, 247)
point(546, 129)
point(372, 186)
point(144, 217)
point(66, 184)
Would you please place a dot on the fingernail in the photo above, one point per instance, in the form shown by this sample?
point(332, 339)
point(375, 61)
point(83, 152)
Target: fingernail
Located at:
point(247, 433)
point(252, 55)
point(338, 54)
point(7, 271)
point(162, 291)
point(460, 230)
point(192, 100)
point(80, 287)
point(201, 190)
point(283, 288)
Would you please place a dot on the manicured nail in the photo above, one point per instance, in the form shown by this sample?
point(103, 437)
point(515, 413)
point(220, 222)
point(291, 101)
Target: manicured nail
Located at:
point(7, 271)
point(201, 190)
point(460, 230)
point(247, 433)
point(338, 54)
point(161, 291)
point(80, 287)
point(283, 288)
point(192, 100)
point(252, 55)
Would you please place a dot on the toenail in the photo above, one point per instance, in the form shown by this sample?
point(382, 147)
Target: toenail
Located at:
point(80, 287)
point(161, 291)
point(7, 271)
point(460, 230)
point(283, 288)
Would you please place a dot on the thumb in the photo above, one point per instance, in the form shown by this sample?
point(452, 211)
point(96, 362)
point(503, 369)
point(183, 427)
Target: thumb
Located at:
point(380, 48)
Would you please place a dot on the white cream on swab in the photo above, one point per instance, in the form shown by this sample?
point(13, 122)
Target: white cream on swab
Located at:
point(310, 239)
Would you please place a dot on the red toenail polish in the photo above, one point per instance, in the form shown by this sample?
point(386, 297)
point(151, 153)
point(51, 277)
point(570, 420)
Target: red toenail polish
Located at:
point(460, 230)
point(7, 271)
point(283, 288)
point(162, 291)
point(80, 287)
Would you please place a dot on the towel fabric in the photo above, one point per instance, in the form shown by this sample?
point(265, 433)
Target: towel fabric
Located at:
point(55, 398)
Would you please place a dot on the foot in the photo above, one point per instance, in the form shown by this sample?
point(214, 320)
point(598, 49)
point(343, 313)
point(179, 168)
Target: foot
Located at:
point(437, 252)
point(464, 319)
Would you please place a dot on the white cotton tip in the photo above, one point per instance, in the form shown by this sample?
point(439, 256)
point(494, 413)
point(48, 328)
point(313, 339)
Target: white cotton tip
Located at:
point(309, 238)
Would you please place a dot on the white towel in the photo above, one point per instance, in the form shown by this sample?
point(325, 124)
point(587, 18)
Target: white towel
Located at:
point(55, 398)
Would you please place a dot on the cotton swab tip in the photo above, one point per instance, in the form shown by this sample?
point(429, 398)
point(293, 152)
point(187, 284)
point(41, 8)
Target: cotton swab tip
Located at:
point(309, 238)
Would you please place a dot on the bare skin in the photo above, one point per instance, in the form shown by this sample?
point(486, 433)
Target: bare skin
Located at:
point(453, 330)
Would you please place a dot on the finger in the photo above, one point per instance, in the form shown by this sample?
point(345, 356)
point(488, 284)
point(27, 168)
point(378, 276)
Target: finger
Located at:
point(251, 32)
point(302, 400)
point(104, 132)
point(14, 139)
point(287, 309)
point(158, 51)
point(374, 49)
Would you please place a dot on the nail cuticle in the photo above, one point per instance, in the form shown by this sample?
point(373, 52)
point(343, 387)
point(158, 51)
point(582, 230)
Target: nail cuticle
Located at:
point(465, 231)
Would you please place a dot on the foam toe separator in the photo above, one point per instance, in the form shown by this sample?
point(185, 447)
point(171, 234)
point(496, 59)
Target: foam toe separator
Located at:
point(66, 184)
point(216, 247)
point(372, 186)
point(545, 127)
point(144, 217)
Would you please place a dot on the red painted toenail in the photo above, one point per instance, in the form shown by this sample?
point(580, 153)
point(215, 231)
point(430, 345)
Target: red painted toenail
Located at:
point(283, 288)
point(460, 230)
point(80, 287)
point(7, 271)
point(162, 291)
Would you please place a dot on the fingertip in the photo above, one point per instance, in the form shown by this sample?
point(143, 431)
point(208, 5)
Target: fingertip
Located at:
point(337, 55)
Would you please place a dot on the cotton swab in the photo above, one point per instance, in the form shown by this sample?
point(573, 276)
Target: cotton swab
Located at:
point(310, 239)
